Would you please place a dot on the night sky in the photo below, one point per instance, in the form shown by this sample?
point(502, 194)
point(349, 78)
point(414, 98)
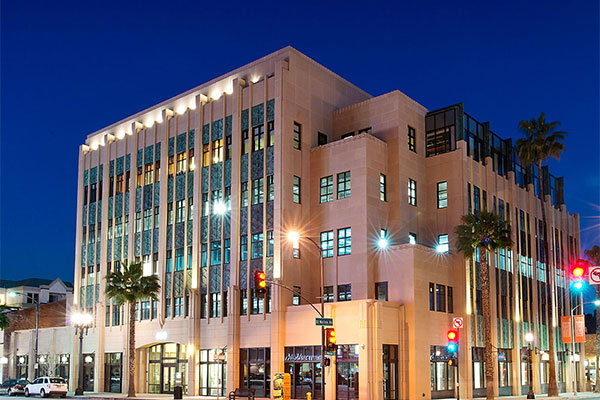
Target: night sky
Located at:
point(71, 68)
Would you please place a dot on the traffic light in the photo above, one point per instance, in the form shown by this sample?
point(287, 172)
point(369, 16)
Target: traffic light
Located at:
point(452, 345)
point(260, 283)
point(577, 273)
point(327, 361)
point(330, 340)
point(452, 362)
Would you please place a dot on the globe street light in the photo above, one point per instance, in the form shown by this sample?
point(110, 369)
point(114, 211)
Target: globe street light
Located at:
point(529, 339)
point(37, 325)
point(81, 321)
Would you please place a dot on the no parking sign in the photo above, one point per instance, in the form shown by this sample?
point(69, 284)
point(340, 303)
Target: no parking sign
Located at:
point(594, 276)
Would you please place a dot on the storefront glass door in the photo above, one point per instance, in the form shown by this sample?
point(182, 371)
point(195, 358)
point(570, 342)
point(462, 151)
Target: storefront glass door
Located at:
point(166, 362)
point(347, 372)
point(169, 378)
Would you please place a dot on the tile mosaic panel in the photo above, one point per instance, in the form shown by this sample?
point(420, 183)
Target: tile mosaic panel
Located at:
point(190, 234)
point(244, 122)
point(111, 168)
point(169, 237)
point(146, 242)
point(178, 284)
point(216, 178)
point(257, 218)
point(191, 138)
point(117, 255)
point(269, 220)
point(138, 199)
point(149, 155)
point(155, 239)
point(157, 151)
point(228, 125)
point(168, 285)
point(243, 275)
point(227, 226)
point(120, 165)
point(181, 142)
point(94, 175)
point(119, 205)
point(271, 110)
point(85, 177)
point(148, 197)
point(270, 160)
point(258, 114)
point(125, 246)
point(171, 146)
point(180, 187)
point(215, 227)
point(227, 172)
point(179, 235)
point(109, 246)
point(205, 186)
point(217, 129)
point(215, 279)
point(244, 168)
point(243, 220)
point(84, 215)
point(190, 184)
point(203, 279)
point(206, 134)
point(99, 219)
point(269, 268)
point(226, 279)
point(136, 243)
point(258, 158)
point(139, 160)
point(204, 229)
point(127, 162)
point(156, 194)
point(170, 189)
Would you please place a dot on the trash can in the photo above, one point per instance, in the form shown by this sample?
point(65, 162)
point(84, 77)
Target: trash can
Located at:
point(178, 392)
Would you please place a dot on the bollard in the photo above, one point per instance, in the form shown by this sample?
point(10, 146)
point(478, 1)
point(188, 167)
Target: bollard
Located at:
point(308, 395)
point(178, 392)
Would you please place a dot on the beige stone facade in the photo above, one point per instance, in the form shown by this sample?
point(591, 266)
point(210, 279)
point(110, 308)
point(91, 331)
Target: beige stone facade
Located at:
point(328, 160)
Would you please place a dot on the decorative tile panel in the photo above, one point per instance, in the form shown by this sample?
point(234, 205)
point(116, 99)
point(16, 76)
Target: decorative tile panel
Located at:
point(179, 235)
point(126, 203)
point(257, 218)
point(170, 189)
point(244, 221)
point(156, 194)
point(99, 212)
point(217, 129)
point(258, 114)
point(243, 275)
point(168, 285)
point(190, 234)
point(270, 213)
point(228, 125)
point(205, 187)
point(110, 207)
point(226, 273)
point(97, 293)
point(94, 175)
point(203, 279)
point(257, 164)
point(270, 160)
point(117, 255)
point(157, 151)
point(169, 237)
point(215, 227)
point(178, 284)
point(155, 240)
point(190, 184)
point(100, 172)
point(146, 242)
point(119, 205)
point(127, 162)
point(271, 110)
point(188, 280)
point(148, 189)
point(244, 122)
point(227, 172)
point(139, 159)
point(191, 136)
point(171, 146)
point(138, 199)
point(92, 214)
point(244, 168)
point(98, 252)
point(108, 250)
point(84, 215)
point(180, 187)
point(227, 226)
point(137, 238)
point(181, 142)
point(83, 255)
point(126, 246)
point(111, 168)
point(269, 267)
point(204, 229)
point(215, 279)
point(89, 297)
point(216, 178)
point(120, 165)
point(90, 254)
point(85, 177)
point(206, 134)
point(149, 155)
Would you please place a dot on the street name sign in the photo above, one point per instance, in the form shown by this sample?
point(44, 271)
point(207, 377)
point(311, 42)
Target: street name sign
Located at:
point(324, 321)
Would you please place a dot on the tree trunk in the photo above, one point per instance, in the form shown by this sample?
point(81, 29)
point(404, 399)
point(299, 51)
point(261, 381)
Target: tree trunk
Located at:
point(487, 321)
point(552, 386)
point(596, 386)
point(131, 383)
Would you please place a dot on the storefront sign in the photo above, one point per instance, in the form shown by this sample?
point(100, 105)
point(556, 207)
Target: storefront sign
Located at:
point(302, 358)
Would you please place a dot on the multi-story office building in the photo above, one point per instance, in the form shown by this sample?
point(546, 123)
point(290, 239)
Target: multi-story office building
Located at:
point(204, 188)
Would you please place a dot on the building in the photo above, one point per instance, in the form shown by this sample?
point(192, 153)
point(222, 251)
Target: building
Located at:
point(28, 292)
point(285, 145)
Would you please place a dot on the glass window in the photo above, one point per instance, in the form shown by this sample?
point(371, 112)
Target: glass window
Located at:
point(345, 292)
point(343, 185)
point(243, 247)
point(270, 243)
point(440, 297)
point(180, 215)
point(412, 145)
point(327, 244)
point(296, 296)
point(227, 255)
point(148, 174)
point(270, 133)
point(412, 192)
point(217, 149)
point(344, 241)
point(181, 163)
point(215, 252)
point(327, 189)
point(381, 291)
point(245, 141)
point(431, 297)
point(296, 190)
point(255, 370)
point(412, 238)
point(328, 294)
point(297, 135)
point(442, 194)
point(257, 245)
point(321, 139)
point(382, 188)
point(440, 130)
point(205, 155)
point(258, 137)
point(450, 302)
point(270, 187)
point(390, 372)
point(258, 195)
point(442, 246)
point(228, 147)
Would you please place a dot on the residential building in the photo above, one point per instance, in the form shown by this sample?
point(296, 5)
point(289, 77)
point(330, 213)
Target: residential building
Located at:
point(28, 292)
point(204, 189)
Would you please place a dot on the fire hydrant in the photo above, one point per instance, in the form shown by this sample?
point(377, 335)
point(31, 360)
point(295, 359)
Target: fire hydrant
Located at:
point(308, 395)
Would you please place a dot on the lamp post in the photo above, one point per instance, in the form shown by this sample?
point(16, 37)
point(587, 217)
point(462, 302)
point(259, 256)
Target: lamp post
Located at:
point(81, 321)
point(295, 237)
point(529, 339)
point(573, 374)
point(37, 325)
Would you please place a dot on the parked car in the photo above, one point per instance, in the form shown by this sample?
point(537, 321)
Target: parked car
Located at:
point(47, 386)
point(13, 386)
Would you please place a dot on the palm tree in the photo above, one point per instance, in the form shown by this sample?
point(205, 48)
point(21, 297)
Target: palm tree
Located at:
point(127, 286)
point(4, 321)
point(484, 232)
point(594, 256)
point(542, 140)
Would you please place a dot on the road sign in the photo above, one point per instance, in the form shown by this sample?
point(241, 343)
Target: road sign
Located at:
point(457, 322)
point(594, 276)
point(330, 353)
point(324, 321)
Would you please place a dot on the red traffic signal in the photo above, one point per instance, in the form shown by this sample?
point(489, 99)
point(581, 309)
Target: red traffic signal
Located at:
point(330, 340)
point(452, 345)
point(260, 283)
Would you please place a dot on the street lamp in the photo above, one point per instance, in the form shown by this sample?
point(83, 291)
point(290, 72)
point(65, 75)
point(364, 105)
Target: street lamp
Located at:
point(81, 321)
point(37, 325)
point(529, 339)
point(573, 377)
point(295, 237)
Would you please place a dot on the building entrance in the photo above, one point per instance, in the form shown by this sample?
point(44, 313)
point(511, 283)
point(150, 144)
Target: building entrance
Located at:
point(165, 362)
point(347, 372)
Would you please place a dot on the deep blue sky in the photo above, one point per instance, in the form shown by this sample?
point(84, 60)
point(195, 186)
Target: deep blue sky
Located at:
point(70, 68)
